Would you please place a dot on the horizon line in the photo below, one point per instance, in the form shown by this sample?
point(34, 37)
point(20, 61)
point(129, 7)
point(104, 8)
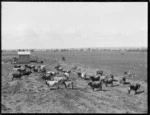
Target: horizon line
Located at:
point(77, 48)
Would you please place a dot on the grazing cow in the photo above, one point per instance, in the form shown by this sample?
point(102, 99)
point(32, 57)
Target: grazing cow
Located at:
point(110, 76)
point(74, 67)
point(68, 83)
point(57, 66)
point(16, 75)
point(93, 78)
point(32, 66)
point(60, 69)
point(35, 69)
point(22, 70)
point(83, 75)
point(123, 80)
point(134, 87)
point(108, 80)
point(60, 78)
point(16, 69)
point(43, 70)
point(79, 74)
point(129, 74)
point(102, 77)
point(27, 73)
point(26, 66)
point(99, 72)
point(42, 66)
point(68, 71)
point(17, 66)
point(57, 82)
point(95, 84)
point(46, 77)
point(66, 74)
point(52, 73)
point(52, 83)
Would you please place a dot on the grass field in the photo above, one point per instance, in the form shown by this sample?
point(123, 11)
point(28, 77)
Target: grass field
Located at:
point(108, 61)
point(32, 96)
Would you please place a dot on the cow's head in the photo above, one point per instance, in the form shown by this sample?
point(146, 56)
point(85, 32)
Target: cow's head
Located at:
point(90, 83)
point(138, 85)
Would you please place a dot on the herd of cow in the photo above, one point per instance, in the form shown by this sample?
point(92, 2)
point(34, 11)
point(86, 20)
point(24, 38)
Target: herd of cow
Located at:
point(101, 78)
point(62, 77)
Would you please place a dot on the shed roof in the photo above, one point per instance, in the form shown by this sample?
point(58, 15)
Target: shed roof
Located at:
point(23, 53)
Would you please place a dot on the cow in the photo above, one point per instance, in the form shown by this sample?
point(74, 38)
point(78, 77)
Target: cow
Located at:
point(17, 66)
point(108, 80)
point(42, 62)
point(102, 77)
point(58, 81)
point(74, 67)
point(93, 78)
point(16, 69)
point(35, 69)
point(123, 79)
point(27, 73)
point(32, 66)
point(43, 70)
point(16, 75)
point(134, 87)
point(53, 73)
point(68, 71)
point(99, 72)
point(66, 74)
point(26, 66)
point(60, 78)
point(81, 75)
point(129, 74)
point(46, 77)
point(95, 84)
point(57, 66)
point(68, 83)
point(60, 69)
point(22, 70)
point(52, 83)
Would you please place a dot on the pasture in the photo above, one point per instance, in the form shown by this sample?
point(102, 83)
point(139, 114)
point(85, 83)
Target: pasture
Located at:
point(31, 95)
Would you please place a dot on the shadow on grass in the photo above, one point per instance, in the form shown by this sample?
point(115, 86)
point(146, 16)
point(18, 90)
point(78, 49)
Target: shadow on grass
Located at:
point(87, 79)
point(139, 92)
point(126, 83)
point(105, 90)
point(115, 85)
point(115, 80)
point(55, 88)
point(77, 88)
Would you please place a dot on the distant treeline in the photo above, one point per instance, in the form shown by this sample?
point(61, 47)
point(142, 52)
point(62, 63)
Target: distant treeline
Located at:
point(82, 49)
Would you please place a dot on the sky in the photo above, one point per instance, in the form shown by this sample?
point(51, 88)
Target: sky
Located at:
point(48, 25)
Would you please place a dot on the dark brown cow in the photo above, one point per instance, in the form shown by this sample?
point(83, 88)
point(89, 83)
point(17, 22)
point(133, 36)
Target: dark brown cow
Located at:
point(95, 84)
point(134, 87)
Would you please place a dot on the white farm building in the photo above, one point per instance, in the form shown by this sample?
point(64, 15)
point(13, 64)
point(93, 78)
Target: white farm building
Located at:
point(24, 57)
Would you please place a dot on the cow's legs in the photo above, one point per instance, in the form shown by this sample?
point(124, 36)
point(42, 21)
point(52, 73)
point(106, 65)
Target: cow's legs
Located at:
point(129, 90)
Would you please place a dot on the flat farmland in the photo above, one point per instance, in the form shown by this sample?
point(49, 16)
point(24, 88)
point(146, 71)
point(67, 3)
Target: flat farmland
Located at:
point(110, 61)
point(31, 95)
